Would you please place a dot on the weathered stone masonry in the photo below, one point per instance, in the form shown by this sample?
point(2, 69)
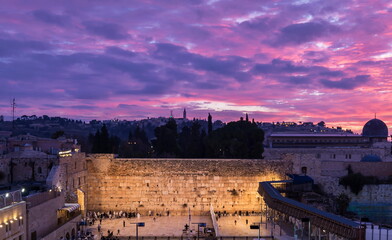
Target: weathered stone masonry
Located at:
point(177, 185)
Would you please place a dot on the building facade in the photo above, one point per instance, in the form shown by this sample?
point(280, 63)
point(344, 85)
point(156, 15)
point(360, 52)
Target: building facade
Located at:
point(12, 216)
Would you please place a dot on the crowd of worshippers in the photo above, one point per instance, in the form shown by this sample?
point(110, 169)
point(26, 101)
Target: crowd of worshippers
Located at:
point(92, 216)
point(219, 214)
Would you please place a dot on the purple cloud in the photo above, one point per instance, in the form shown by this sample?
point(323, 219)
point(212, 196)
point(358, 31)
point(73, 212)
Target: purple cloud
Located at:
point(50, 18)
point(109, 31)
point(299, 33)
point(346, 83)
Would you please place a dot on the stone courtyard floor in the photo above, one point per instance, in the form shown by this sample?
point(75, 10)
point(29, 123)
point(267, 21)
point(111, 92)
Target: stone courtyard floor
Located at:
point(172, 226)
point(165, 226)
point(237, 226)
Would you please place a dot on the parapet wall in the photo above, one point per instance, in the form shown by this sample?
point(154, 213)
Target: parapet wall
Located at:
point(178, 185)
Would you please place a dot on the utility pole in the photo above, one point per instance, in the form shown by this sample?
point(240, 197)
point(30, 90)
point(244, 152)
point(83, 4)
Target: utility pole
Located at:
point(13, 105)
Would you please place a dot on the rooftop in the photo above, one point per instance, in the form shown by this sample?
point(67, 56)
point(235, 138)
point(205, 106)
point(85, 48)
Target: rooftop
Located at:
point(315, 135)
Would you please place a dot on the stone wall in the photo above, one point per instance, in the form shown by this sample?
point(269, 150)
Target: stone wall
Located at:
point(372, 194)
point(73, 174)
point(178, 185)
point(330, 154)
point(327, 165)
point(25, 168)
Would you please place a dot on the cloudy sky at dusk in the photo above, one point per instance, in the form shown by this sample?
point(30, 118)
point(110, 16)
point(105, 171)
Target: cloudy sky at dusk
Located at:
point(276, 60)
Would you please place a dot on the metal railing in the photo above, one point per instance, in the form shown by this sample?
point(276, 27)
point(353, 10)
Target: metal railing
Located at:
point(38, 198)
point(10, 198)
point(332, 223)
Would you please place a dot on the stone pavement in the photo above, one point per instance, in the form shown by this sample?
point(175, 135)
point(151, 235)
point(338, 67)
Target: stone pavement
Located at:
point(161, 226)
point(172, 226)
point(238, 226)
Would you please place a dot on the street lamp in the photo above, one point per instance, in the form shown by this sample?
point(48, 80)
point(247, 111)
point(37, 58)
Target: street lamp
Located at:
point(304, 220)
point(362, 220)
point(138, 224)
point(198, 226)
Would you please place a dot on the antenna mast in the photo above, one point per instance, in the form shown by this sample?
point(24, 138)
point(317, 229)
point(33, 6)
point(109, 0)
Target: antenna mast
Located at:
point(13, 105)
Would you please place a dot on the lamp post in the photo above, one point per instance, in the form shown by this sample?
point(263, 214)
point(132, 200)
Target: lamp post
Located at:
point(138, 224)
point(303, 221)
point(198, 226)
point(362, 220)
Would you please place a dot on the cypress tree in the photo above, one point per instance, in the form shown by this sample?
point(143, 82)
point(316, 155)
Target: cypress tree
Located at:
point(209, 124)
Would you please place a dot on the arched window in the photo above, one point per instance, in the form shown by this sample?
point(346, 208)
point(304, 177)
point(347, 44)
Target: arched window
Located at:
point(304, 170)
point(39, 170)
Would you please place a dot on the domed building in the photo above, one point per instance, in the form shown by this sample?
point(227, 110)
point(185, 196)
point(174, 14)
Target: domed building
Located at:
point(376, 130)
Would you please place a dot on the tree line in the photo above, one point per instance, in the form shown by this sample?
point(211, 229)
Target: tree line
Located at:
point(240, 139)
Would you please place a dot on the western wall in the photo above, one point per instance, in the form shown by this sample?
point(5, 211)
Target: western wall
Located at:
point(179, 185)
point(157, 186)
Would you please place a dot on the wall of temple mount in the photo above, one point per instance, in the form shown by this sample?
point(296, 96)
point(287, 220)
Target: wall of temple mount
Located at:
point(178, 185)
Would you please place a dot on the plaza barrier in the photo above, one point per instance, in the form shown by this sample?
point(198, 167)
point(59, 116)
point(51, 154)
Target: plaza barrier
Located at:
point(214, 222)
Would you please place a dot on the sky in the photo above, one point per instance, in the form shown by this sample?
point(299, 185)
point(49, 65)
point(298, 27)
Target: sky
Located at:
point(275, 60)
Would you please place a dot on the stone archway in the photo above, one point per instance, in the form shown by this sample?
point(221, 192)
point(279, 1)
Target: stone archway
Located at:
point(67, 236)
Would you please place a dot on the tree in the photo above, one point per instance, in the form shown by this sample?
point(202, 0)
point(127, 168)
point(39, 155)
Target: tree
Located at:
point(321, 124)
point(184, 141)
point(236, 140)
point(196, 148)
point(104, 140)
point(165, 143)
point(103, 143)
point(209, 123)
point(355, 181)
point(57, 134)
point(136, 146)
point(96, 142)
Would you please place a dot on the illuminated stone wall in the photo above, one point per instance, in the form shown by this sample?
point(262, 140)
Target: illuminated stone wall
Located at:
point(178, 185)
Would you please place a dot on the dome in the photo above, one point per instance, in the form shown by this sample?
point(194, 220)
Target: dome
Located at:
point(371, 158)
point(375, 128)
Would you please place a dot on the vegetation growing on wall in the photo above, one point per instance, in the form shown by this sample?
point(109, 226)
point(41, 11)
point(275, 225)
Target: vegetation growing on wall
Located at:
point(342, 203)
point(356, 181)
